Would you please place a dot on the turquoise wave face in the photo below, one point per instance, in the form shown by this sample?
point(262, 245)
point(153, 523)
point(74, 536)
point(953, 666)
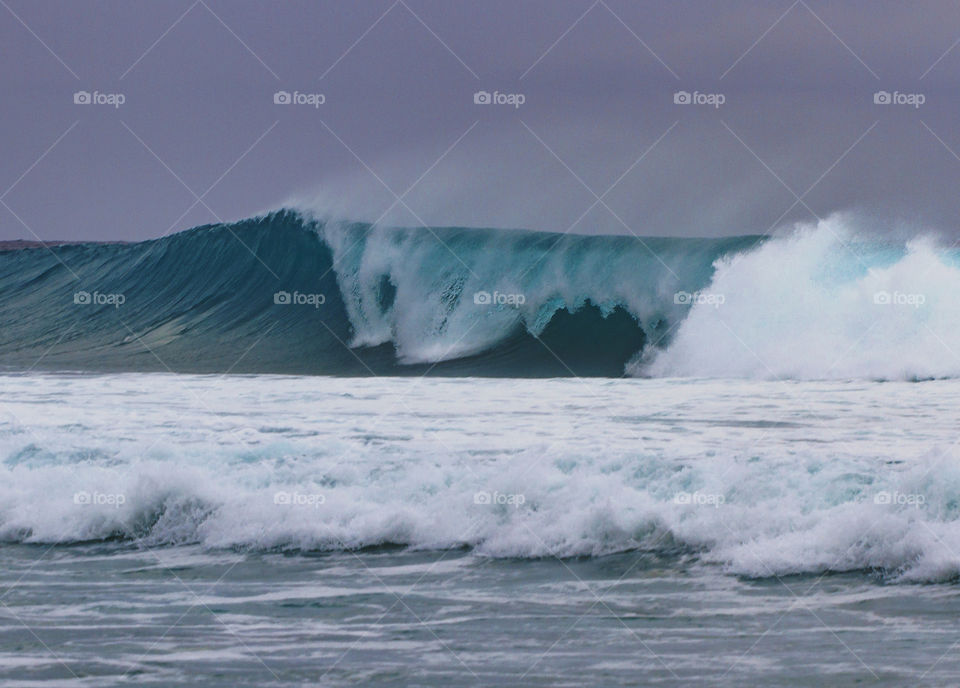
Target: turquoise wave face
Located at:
point(285, 293)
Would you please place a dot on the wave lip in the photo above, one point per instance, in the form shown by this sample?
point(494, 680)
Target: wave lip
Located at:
point(287, 293)
point(290, 293)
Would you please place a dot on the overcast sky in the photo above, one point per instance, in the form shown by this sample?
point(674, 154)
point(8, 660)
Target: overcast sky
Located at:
point(398, 79)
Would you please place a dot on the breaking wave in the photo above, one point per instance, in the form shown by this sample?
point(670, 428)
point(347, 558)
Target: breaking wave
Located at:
point(290, 293)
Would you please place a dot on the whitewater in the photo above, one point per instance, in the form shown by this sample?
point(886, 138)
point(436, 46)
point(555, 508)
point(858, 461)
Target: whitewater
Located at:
point(761, 478)
point(384, 521)
point(324, 296)
point(450, 456)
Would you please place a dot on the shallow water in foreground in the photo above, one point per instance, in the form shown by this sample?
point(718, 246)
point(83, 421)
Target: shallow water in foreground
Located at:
point(105, 615)
point(163, 529)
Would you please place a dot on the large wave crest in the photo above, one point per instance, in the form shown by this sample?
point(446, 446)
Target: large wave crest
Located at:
point(292, 293)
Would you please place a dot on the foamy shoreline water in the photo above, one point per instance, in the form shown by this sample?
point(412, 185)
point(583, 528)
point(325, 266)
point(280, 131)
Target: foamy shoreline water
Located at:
point(761, 478)
point(246, 529)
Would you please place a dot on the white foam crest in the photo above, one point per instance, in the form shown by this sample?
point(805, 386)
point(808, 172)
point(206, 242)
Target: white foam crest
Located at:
point(436, 314)
point(819, 305)
point(802, 515)
point(759, 478)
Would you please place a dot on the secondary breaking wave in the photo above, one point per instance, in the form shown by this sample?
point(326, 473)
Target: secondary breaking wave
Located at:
point(291, 293)
point(792, 514)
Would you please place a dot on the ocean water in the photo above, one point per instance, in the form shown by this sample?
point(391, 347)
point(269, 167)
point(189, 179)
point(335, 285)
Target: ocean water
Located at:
point(294, 450)
point(289, 293)
point(309, 530)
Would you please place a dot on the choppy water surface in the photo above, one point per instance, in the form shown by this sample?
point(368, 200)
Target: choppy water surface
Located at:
point(333, 531)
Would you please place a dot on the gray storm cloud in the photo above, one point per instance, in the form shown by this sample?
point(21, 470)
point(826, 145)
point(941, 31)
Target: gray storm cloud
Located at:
point(599, 140)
